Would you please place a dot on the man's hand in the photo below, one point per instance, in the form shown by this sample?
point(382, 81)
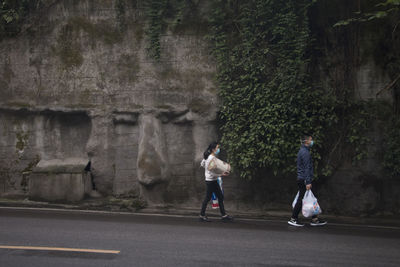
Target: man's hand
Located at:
point(225, 174)
point(308, 187)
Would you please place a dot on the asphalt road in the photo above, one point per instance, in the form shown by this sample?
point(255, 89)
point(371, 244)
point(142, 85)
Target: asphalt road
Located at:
point(151, 240)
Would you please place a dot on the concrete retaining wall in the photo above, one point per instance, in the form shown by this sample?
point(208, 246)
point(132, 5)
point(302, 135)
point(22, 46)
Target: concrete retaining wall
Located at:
point(77, 85)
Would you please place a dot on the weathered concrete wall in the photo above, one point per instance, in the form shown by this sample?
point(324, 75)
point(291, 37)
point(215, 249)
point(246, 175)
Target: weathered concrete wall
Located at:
point(28, 136)
point(84, 87)
point(77, 84)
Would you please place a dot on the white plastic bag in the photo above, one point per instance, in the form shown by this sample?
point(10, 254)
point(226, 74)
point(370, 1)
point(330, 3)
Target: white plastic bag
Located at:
point(295, 199)
point(310, 205)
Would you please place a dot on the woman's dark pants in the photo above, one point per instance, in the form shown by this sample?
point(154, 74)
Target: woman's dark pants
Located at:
point(213, 187)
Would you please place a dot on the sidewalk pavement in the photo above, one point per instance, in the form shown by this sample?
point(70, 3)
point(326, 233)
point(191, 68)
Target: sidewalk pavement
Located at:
point(111, 204)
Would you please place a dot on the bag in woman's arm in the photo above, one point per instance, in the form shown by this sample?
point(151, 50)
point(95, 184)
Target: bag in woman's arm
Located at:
point(218, 166)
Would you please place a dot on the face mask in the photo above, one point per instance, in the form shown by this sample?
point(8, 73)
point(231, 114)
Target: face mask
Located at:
point(217, 152)
point(312, 143)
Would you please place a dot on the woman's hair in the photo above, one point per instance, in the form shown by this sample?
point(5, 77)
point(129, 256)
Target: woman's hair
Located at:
point(210, 148)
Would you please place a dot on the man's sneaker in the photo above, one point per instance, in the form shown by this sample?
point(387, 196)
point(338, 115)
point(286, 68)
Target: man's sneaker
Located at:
point(226, 218)
point(317, 222)
point(295, 222)
point(204, 219)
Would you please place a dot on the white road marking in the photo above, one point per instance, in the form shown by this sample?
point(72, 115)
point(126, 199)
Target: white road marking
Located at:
point(62, 249)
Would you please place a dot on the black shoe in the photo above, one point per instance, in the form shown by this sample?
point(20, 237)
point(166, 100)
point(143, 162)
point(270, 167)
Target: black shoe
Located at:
point(226, 218)
point(317, 222)
point(204, 219)
point(295, 222)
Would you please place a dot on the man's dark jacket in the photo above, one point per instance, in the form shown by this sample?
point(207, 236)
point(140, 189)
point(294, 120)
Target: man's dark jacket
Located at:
point(305, 169)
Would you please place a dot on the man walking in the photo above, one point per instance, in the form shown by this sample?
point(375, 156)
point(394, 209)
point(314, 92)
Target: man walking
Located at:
point(304, 179)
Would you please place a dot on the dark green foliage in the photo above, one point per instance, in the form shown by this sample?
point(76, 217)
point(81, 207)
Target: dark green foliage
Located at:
point(382, 18)
point(268, 100)
point(382, 9)
point(358, 117)
point(155, 10)
point(120, 12)
point(199, 106)
point(102, 30)
point(13, 13)
point(68, 49)
point(392, 149)
point(175, 15)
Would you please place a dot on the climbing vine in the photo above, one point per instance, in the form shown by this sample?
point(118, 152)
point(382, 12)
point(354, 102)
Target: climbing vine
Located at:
point(155, 11)
point(120, 15)
point(267, 99)
point(383, 19)
point(172, 14)
point(392, 155)
point(13, 13)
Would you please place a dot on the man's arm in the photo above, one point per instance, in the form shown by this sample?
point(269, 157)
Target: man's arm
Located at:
point(308, 170)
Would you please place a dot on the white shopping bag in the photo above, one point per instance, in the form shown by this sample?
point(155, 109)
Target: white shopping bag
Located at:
point(295, 199)
point(310, 205)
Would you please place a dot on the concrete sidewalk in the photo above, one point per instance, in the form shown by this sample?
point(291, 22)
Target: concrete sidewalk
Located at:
point(114, 205)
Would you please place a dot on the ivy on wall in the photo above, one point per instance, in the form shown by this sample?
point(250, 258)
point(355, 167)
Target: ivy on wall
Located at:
point(268, 102)
point(155, 11)
point(13, 13)
point(392, 156)
point(382, 18)
point(263, 50)
point(120, 15)
point(175, 15)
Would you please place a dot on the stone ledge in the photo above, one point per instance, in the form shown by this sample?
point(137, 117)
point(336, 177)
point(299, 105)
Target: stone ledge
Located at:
point(69, 165)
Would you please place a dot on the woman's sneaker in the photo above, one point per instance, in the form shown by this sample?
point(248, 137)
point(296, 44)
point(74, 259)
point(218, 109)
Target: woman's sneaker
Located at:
point(295, 222)
point(226, 218)
point(317, 222)
point(204, 219)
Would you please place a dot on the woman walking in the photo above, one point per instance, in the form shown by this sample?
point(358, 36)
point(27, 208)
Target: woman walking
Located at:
point(212, 184)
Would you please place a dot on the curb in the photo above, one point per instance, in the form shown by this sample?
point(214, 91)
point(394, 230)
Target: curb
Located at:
point(386, 222)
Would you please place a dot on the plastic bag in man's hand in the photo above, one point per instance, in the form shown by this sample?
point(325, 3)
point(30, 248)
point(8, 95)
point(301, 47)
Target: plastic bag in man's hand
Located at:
point(295, 199)
point(310, 205)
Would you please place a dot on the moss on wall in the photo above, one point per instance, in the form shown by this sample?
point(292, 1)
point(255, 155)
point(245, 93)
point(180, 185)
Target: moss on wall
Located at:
point(186, 80)
point(128, 68)
point(200, 106)
point(32, 164)
point(84, 96)
point(68, 46)
point(151, 166)
point(103, 30)
point(19, 104)
point(8, 73)
point(138, 29)
point(22, 140)
point(164, 106)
